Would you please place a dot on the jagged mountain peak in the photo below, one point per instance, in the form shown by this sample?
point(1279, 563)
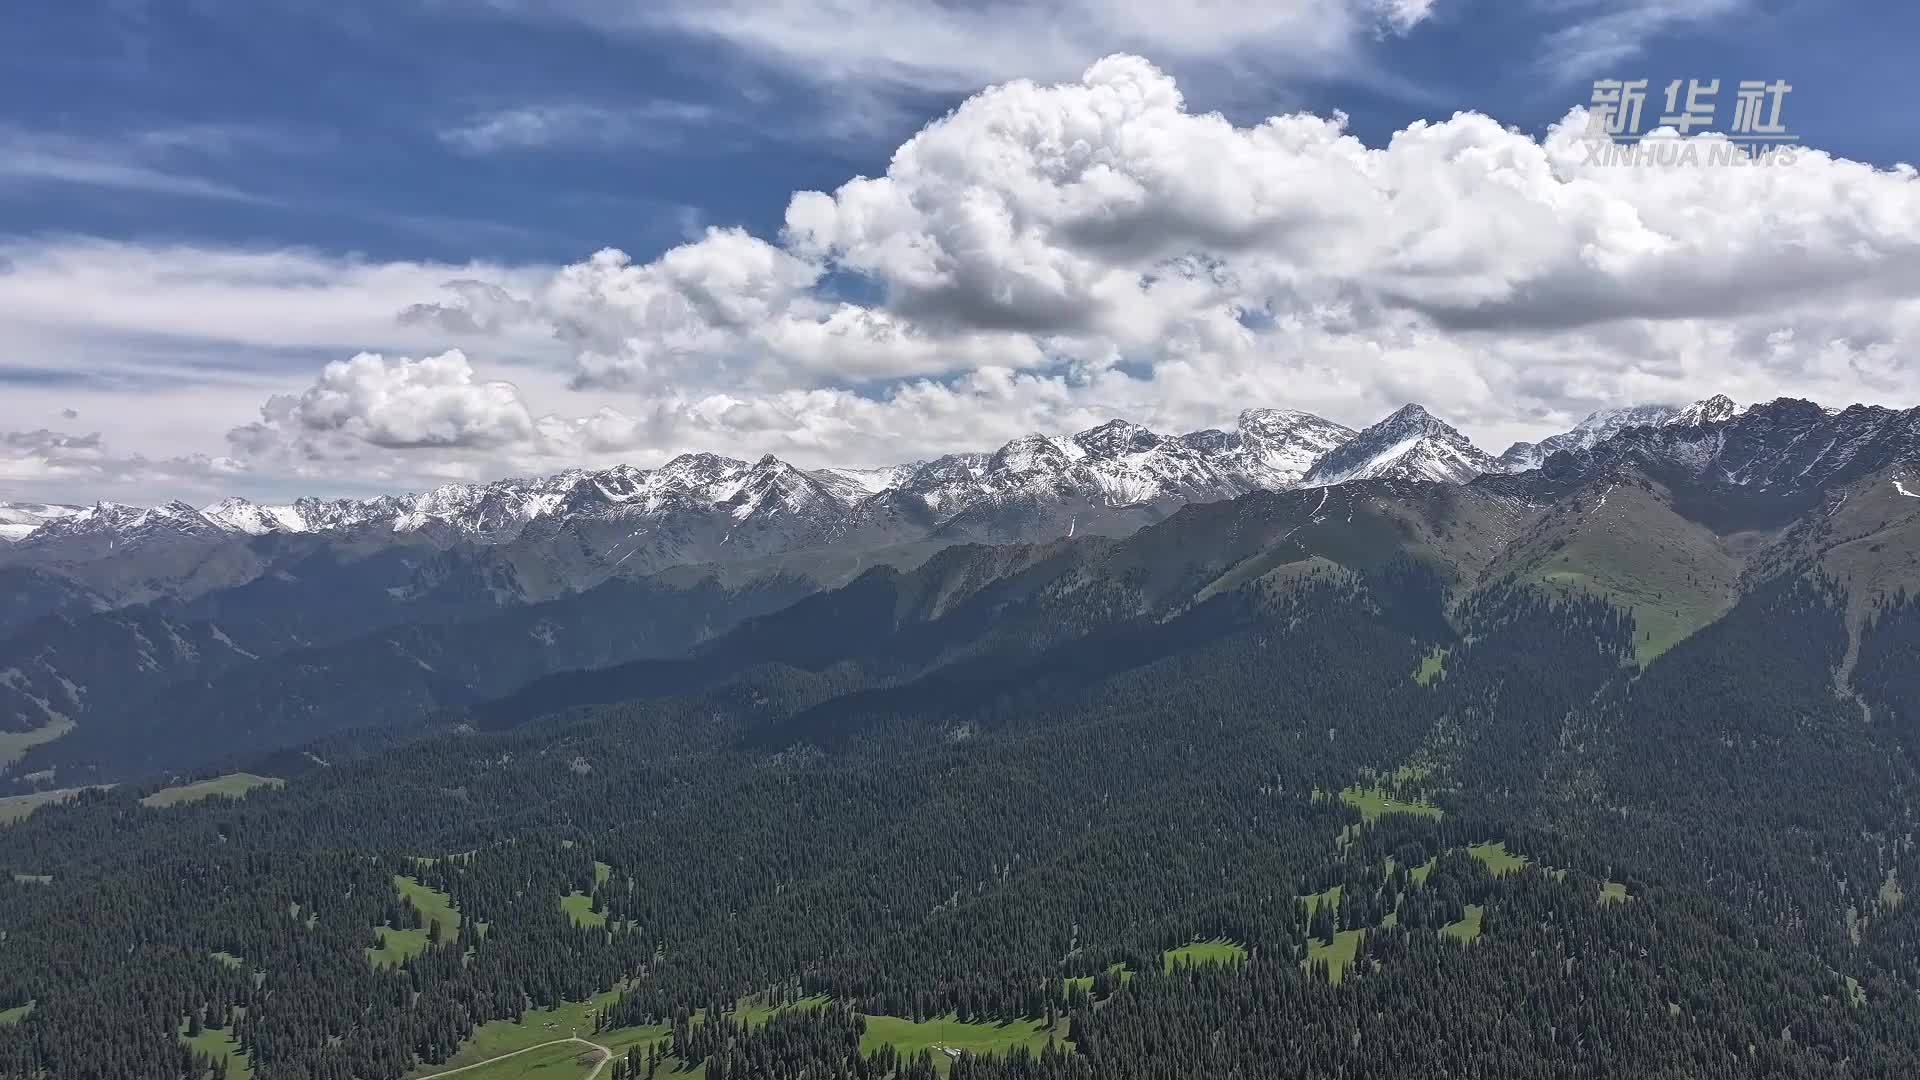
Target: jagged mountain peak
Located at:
point(1599, 426)
point(239, 515)
point(1278, 446)
point(1267, 421)
point(1713, 410)
point(1410, 444)
point(1117, 437)
point(1411, 413)
point(1030, 453)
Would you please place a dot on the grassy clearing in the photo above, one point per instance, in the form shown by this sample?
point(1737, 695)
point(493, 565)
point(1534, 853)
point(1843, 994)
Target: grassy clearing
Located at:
point(1217, 951)
point(15, 1014)
point(15, 744)
point(601, 872)
point(431, 903)
point(567, 1061)
point(232, 786)
point(1419, 874)
point(946, 1037)
point(1432, 666)
point(33, 879)
point(1856, 997)
point(537, 1026)
point(220, 1043)
point(579, 908)
point(754, 1011)
point(1374, 802)
point(16, 807)
point(1085, 982)
point(398, 945)
point(1498, 858)
point(1314, 900)
point(227, 958)
point(1338, 954)
point(1467, 930)
point(1613, 892)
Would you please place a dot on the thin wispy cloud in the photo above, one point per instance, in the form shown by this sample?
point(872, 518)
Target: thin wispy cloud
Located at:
point(655, 124)
point(934, 46)
point(39, 157)
point(1603, 34)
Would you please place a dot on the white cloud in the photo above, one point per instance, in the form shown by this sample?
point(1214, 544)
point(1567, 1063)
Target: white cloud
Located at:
point(64, 289)
point(434, 402)
point(1047, 256)
point(938, 46)
point(1606, 32)
point(40, 158)
point(653, 124)
point(59, 464)
point(162, 161)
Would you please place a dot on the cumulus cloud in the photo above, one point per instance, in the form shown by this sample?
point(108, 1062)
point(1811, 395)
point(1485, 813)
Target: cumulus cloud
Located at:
point(434, 402)
point(1047, 256)
point(1052, 252)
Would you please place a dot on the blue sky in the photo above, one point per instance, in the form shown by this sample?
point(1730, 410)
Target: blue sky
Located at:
point(335, 125)
point(361, 151)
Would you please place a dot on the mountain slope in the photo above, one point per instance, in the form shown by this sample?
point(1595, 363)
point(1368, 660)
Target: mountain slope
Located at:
point(1618, 537)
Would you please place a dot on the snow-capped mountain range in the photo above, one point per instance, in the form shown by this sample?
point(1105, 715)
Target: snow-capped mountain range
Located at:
point(1031, 488)
point(1116, 464)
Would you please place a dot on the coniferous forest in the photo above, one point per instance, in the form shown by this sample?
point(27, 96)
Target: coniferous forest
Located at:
point(1438, 835)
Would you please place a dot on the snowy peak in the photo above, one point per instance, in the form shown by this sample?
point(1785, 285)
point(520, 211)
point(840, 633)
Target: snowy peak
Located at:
point(773, 487)
point(1411, 444)
point(1597, 428)
point(1121, 463)
point(1716, 409)
point(1278, 446)
point(1033, 453)
point(240, 516)
point(1605, 424)
point(1116, 438)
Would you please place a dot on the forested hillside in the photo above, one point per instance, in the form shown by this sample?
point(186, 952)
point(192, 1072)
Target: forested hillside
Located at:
point(1431, 829)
